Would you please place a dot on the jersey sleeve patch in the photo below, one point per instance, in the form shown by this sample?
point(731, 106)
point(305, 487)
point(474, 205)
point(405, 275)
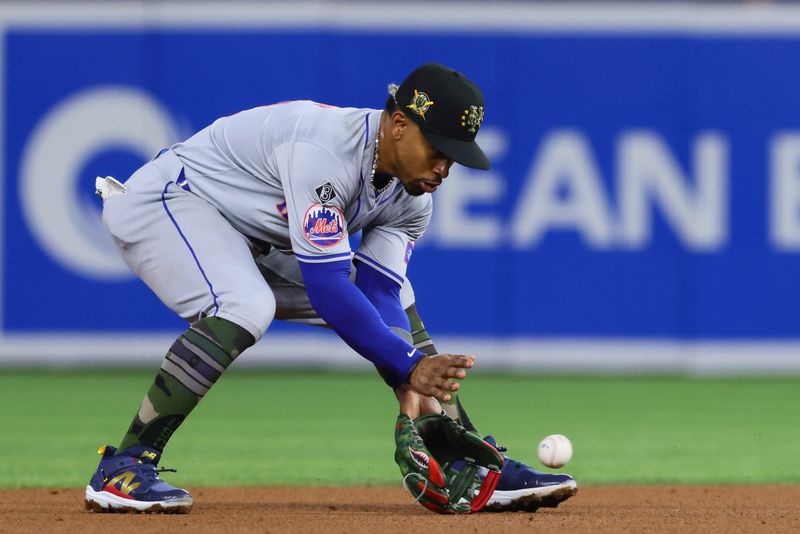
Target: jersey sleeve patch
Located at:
point(325, 192)
point(323, 226)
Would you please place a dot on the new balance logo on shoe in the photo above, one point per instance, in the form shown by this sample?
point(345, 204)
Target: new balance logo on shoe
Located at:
point(126, 485)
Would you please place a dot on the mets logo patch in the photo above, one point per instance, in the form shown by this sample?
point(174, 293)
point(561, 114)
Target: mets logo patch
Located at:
point(409, 250)
point(472, 118)
point(323, 226)
point(420, 458)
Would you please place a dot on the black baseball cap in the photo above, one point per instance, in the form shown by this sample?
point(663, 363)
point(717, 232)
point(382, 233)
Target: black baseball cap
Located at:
point(448, 108)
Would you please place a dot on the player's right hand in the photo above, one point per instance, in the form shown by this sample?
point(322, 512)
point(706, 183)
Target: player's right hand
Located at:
point(433, 376)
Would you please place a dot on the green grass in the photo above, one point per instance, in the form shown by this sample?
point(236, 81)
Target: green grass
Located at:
point(258, 427)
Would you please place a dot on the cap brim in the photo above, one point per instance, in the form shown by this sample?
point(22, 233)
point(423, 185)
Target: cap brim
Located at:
point(467, 153)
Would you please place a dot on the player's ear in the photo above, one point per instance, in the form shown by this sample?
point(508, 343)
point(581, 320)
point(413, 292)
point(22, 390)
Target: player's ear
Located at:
point(399, 123)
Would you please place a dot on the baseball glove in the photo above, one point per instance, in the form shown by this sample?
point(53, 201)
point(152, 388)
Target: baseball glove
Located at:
point(445, 467)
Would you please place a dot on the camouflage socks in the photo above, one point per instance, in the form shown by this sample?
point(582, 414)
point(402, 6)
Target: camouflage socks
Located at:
point(422, 340)
point(193, 364)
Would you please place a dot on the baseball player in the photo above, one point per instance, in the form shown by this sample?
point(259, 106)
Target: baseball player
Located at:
point(249, 220)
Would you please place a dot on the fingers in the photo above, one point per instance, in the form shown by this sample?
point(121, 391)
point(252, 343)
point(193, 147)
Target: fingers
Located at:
point(437, 376)
point(441, 394)
point(439, 391)
point(464, 362)
point(455, 372)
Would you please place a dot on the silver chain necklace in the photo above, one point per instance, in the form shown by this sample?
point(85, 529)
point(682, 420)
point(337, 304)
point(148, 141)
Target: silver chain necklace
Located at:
point(378, 190)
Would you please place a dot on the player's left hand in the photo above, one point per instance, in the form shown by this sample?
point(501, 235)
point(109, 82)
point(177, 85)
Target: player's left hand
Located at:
point(433, 376)
point(445, 467)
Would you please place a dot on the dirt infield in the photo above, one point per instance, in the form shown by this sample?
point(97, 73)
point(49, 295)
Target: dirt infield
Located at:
point(389, 509)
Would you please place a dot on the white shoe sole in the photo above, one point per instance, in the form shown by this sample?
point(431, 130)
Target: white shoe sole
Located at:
point(531, 499)
point(103, 501)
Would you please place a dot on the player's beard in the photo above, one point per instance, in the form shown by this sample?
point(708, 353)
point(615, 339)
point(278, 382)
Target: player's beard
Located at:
point(413, 189)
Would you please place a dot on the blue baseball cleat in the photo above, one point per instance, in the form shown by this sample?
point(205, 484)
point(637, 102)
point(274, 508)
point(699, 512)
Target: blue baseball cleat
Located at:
point(128, 481)
point(523, 489)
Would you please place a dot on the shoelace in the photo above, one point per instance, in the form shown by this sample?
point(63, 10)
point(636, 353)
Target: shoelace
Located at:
point(502, 449)
point(150, 472)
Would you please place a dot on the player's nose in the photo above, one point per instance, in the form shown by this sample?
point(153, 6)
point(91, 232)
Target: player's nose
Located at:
point(442, 167)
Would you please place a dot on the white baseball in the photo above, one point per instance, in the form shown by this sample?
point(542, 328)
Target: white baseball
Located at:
point(555, 450)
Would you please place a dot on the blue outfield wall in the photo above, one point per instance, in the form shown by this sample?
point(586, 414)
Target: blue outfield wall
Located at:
point(644, 186)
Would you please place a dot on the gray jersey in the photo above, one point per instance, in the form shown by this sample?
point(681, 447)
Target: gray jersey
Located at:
point(297, 175)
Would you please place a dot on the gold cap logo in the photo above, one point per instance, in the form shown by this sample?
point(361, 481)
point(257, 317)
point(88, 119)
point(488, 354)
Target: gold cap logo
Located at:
point(472, 118)
point(420, 103)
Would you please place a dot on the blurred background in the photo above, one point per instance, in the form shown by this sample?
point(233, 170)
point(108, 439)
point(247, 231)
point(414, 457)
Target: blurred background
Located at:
point(641, 217)
point(642, 211)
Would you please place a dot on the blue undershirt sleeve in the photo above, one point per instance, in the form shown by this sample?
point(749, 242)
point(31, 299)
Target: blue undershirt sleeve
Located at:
point(384, 293)
point(348, 311)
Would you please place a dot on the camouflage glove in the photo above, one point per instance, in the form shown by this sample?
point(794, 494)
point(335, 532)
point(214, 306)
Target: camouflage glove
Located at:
point(445, 467)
